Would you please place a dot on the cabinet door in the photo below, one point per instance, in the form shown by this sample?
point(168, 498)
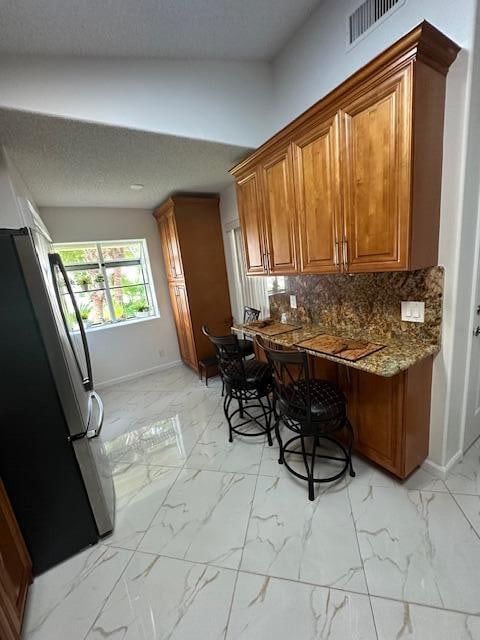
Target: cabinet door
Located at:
point(181, 312)
point(170, 246)
point(250, 211)
point(280, 213)
point(376, 167)
point(375, 409)
point(15, 571)
point(316, 157)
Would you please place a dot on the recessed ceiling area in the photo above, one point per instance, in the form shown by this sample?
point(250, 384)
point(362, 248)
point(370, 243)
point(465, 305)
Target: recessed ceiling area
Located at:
point(70, 163)
point(215, 29)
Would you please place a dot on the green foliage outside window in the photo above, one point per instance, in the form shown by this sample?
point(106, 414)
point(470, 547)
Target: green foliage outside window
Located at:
point(107, 278)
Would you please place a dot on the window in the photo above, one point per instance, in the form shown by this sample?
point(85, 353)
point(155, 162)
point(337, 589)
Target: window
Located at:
point(111, 281)
point(275, 284)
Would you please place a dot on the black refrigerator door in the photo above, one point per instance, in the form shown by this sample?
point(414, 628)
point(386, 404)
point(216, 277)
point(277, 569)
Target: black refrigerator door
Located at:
point(38, 462)
point(72, 320)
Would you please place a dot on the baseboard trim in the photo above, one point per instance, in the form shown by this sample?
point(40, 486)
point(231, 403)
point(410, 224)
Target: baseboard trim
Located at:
point(137, 374)
point(441, 471)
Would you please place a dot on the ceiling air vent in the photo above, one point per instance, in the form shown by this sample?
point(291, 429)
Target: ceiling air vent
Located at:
point(369, 14)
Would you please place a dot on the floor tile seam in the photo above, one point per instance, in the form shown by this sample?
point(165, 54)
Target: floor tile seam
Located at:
point(347, 488)
point(180, 469)
point(241, 556)
point(158, 510)
point(464, 514)
point(371, 594)
point(352, 515)
point(374, 620)
point(302, 582)
point(361, 593)
point(100, 611)
point(463, 493)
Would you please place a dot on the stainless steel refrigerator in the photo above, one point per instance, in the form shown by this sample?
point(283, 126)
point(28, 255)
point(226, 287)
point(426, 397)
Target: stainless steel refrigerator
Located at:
point(52, 460)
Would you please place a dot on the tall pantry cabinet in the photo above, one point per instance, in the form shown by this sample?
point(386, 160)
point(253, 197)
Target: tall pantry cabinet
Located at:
point(192, 245)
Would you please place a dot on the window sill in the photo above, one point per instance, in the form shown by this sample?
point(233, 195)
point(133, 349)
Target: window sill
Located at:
point(123, 323)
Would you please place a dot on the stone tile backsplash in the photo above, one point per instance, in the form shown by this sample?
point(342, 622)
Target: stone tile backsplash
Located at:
point(365, 302)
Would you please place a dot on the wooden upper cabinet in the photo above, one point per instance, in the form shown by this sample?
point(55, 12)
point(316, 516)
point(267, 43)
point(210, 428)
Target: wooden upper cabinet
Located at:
point(279, 213)
point(316, 179)
point(354, 183)
point(250, 211)
point(170, 246)
point(376, 176)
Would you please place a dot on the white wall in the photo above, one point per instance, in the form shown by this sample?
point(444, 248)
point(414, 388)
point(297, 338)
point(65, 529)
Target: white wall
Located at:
point(122, 351)
point(225, 102)
point(229, 219)
point(315, 60)
point(468, 266)
point(12, 191)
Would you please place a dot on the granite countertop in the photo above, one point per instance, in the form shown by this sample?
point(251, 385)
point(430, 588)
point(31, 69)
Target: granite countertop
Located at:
point(399, 353)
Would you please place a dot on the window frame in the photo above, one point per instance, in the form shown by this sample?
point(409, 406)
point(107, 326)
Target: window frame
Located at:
point(143, 261)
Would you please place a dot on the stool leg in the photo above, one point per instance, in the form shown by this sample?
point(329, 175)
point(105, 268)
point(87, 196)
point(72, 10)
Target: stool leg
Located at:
point(240, 404)
point(226, 406)
point(279, 440)
point(350, 429)
point(267, 416)
point(311, 486)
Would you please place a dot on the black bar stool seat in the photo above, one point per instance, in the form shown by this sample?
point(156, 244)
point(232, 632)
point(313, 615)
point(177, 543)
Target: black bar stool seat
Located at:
point(327, 402)
point(253, 373)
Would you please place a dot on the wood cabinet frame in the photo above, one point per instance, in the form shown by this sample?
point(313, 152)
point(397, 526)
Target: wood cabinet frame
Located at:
point(14, 582)
point(386, 207)
point(320, 226)
point(390, 416)
point(250, 209)
point(279, 219)
point(192, 245)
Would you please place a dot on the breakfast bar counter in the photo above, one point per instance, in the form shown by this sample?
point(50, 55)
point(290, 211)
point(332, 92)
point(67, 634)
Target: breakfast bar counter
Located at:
point(398, 354)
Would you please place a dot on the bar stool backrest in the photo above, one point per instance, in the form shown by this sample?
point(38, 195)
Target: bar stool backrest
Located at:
point(229, 356)
point(250, 314)
point(291, 377)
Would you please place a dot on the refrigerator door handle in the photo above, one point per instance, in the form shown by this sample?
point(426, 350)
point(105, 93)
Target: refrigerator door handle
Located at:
point(94, 433)
point(56, 261)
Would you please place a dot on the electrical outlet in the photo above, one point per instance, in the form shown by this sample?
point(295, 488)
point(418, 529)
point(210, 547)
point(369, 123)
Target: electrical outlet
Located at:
point(413, 311)
point(161, 353)
point(293, 302)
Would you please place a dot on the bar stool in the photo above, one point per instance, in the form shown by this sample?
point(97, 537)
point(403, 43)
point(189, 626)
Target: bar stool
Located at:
point(249, 383)
point(310, 408)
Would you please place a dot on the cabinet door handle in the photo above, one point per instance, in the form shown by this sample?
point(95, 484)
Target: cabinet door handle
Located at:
point(268, 262)
point(345, 253)
point(335, 253)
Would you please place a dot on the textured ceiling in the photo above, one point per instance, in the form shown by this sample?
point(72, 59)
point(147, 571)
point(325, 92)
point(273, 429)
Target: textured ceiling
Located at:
point(233, 29)
point(70, 163)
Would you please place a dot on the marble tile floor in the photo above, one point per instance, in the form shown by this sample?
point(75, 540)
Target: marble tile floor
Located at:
point(217, 541)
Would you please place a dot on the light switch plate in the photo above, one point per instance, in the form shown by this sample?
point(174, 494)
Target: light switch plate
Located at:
point(413, 311)
point(293, 302)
